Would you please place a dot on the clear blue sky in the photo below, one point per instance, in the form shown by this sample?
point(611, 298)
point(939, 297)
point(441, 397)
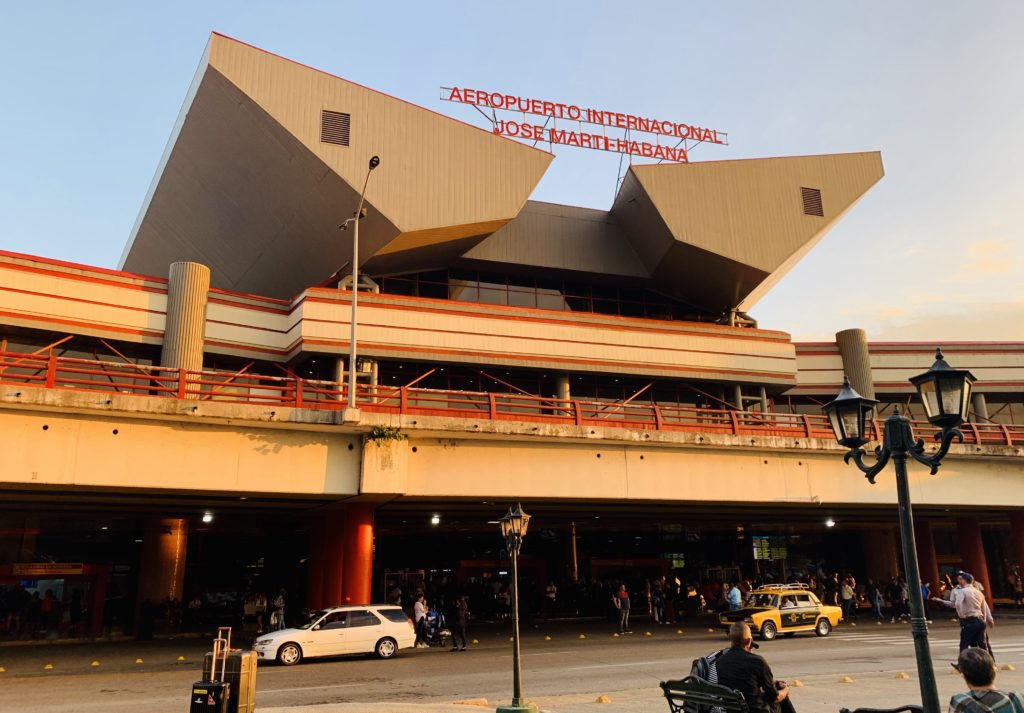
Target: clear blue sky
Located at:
point(935, 251)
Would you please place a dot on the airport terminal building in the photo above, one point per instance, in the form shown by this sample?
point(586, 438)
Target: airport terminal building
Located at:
point(178, 425)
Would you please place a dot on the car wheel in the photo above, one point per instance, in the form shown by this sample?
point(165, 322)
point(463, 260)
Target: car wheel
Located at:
point(289, 654)
point(823, 628)
point(769, 631)
point(385, 648)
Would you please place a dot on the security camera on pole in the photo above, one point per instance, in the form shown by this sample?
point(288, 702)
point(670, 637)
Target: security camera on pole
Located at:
point(351, 412)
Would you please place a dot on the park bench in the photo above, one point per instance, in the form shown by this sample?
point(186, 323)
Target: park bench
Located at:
point(695, 695)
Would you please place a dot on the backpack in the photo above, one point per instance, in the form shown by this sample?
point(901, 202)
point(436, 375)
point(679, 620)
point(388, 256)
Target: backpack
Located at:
point(706, 667)
point(986, 702)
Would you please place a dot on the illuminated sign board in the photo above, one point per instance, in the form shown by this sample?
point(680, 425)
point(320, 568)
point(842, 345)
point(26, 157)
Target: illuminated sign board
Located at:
point(769, 547)
point(44, 569)
point(684, 135)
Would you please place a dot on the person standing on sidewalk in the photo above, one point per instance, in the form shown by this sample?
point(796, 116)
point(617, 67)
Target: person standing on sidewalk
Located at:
point(419, 618)
point(734, 597)
point(1017, 583)
point(876, 599)
point(973, 612)
point(260, 607)
point(461, 612)
point(621, 602)
point(279, 604)
point(849, 597)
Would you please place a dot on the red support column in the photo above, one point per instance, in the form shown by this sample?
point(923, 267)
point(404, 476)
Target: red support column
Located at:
point(334, 558)
point(928, 563)
point(972, 552)
point(1017, 534)
point(358, 546)
point(315, 583)
point(162, 569)
point(99, 597)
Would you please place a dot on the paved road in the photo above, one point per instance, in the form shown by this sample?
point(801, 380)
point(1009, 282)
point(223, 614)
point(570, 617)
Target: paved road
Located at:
point(563, 666)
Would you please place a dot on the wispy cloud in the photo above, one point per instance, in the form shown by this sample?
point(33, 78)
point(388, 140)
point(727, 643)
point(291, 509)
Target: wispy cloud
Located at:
point(984, 260)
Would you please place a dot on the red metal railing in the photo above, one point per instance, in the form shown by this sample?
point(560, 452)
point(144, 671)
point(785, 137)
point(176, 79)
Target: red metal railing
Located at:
point(50, 371)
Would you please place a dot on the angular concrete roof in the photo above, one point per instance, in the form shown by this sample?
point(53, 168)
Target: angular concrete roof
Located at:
point(720, 234)
point(247, 187)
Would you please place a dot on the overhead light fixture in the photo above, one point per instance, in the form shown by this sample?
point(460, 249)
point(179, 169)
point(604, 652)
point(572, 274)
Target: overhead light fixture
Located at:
point(104, 527)
point(830, 523)
point(435, 520)
point(207, 517)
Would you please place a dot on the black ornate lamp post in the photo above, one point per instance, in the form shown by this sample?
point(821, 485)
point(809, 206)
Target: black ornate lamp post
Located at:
point(946, 394)
point(513, 528)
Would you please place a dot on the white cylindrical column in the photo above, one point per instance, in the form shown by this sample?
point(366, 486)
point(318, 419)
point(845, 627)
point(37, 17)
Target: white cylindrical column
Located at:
point(853, 348)
point(187, 288)
point(979, 407)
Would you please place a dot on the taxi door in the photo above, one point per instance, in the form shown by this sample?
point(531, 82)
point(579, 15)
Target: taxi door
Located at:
point(808, 610)
point(790, 616)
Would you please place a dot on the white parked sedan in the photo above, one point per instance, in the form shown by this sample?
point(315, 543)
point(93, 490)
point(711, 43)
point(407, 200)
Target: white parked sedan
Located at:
point(380, 629)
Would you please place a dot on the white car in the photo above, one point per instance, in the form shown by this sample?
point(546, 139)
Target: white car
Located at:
point(380, 629)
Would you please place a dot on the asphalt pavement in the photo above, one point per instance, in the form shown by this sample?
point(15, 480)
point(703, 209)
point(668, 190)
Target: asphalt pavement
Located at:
point(566, 666)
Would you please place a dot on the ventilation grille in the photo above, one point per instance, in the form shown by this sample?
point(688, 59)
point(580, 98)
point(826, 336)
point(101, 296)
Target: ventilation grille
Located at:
point(335, 125)
point(812, 201)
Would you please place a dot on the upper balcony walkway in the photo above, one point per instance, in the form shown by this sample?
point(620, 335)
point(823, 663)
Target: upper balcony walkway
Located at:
point(84, 375)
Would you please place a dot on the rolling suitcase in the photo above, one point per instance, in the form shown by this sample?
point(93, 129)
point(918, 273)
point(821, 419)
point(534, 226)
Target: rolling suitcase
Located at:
point(240, 675)
point(212, 694)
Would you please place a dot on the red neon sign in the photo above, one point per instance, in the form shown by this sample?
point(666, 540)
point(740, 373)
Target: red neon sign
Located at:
point(687, 135)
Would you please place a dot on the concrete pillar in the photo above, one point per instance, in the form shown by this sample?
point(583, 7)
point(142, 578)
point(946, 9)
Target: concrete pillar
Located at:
point(764, 400)
point(315, 565)
point(882, 554)
point(1017, 535)
point(333, 559)
point(853, 348)
point(99, 597)
point(187, 288)
point(341, 376)
point(562, 392)
point(574, 565)
point(357, 577)
point(927, 562)
point(972, 552)
point(979, 407)
point(27, 546)
point(737, 392)
point(162, 570)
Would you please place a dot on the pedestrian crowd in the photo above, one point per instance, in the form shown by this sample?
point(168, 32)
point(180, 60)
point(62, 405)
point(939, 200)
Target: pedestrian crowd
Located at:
point(35, 615)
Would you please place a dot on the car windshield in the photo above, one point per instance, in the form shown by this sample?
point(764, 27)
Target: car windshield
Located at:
point(313, 619)
point(762, 600)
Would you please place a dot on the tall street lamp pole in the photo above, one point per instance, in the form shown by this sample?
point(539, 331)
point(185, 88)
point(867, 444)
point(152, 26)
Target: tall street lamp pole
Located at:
point(945, 394)
point(513, 527)
point(351, 412)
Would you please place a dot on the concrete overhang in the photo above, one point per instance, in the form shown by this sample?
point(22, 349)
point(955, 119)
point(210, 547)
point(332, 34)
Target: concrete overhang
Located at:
point(720, 234)
point(247, 186)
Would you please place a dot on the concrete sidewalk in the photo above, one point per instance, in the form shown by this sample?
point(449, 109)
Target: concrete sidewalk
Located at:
point(819, 694)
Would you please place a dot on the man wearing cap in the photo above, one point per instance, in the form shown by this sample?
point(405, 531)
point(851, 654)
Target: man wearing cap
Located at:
point(972, 610)
point(742, 670)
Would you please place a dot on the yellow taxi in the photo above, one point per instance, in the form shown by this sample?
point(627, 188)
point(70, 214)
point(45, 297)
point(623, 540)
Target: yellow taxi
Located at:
point(784, 609)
